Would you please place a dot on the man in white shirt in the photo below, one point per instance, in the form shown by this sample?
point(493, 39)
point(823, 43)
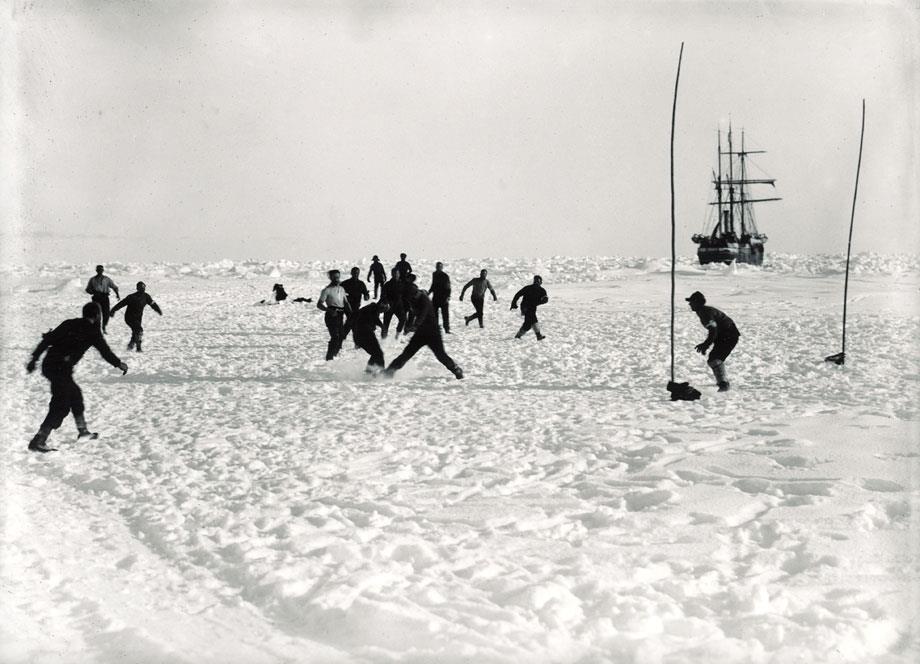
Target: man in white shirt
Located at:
point(334, 301)
point(98, 287)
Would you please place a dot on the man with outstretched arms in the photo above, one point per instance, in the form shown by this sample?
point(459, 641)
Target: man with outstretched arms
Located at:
point(440, 294)
point(334, 301)
point(426, 334)
point(66, 344)
point(134, 313)
point(98, 288)
point(479, 285)
point(723, 336)
point(531, 297)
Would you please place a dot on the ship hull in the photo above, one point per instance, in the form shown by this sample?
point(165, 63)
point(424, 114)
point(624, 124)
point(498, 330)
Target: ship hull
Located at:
point(726, 252)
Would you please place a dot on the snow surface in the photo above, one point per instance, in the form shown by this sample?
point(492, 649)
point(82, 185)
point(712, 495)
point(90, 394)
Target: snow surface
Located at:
point(249, 502)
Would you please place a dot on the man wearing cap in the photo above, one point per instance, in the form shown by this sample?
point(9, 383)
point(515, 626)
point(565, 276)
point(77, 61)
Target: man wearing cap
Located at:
point(723, 335)
point(134, 313)
point(98, 287)
point(531, 297)
point(377, 271)
point(403, 267)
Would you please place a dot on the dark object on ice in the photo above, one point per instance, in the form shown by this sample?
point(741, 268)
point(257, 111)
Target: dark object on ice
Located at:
point(723, 337)
point(679, 391)
point(279, 292)
point(733, 236)
point(66, 344)
point(838, 358)
point(302, 299)
point(683, 392)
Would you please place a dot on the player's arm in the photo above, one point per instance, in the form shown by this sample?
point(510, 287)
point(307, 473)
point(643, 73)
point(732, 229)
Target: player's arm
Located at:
point(121, 303)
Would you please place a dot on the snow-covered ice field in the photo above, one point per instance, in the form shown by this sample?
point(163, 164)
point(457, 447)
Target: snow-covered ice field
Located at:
point(249, 502)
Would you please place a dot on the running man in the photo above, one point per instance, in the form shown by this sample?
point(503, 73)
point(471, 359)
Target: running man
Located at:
point(426, 334)
point(66, 344)
point(367, 320)
point(377, 271)
point(532, 296)
point(134, 313)
point(98, 287)
point(334, 301)
point(392, 294)
point(478, 297)
point(723, 335)
point(440, 294)
point(355, 289)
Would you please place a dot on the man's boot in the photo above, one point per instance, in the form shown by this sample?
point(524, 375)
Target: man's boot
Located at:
point(37, 444)
point(718, 370)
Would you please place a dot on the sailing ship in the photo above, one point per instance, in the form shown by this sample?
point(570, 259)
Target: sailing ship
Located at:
point(731, 234)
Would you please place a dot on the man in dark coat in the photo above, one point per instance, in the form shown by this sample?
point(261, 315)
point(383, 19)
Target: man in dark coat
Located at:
point(366, 322)
point(531, 296)
point(440, 294)
point(134, 313)
point(356, 290)
point(378, 272)
point(392, 294)
point(403, 267)
point(723, 336)
point(66, 344)
point(426, 334)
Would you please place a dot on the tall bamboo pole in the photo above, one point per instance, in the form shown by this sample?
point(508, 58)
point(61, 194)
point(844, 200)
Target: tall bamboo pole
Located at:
point(673, 219)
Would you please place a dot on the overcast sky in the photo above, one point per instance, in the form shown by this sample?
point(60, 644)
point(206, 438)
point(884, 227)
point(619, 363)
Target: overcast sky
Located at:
point(198, 131)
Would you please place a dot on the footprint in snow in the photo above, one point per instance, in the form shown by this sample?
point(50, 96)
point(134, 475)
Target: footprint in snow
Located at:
point(885, 486)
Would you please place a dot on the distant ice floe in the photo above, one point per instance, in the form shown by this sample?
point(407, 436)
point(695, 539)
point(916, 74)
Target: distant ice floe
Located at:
point(554, 269)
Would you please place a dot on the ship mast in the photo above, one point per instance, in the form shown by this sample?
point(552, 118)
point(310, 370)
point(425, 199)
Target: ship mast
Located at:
point(731, 187)
point(741, 186)
point(719, 186)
